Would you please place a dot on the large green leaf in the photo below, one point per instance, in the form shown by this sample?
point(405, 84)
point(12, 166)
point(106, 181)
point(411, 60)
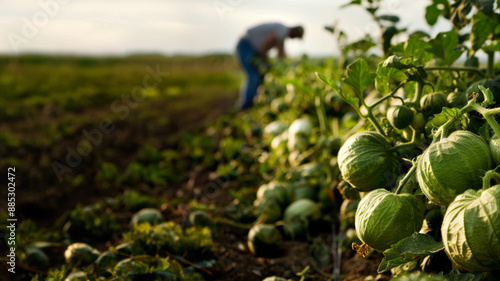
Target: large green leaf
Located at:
point(409, 249)
point(444, 46)
point(352, 100)
point(359, 76)
point(384, 77)
point(482, 27)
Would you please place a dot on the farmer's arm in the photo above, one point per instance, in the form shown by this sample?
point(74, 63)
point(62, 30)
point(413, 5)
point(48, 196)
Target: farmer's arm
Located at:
point(281, 51)
point(266, 45)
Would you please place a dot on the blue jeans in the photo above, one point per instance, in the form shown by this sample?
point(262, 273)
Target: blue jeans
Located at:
point(246, 54)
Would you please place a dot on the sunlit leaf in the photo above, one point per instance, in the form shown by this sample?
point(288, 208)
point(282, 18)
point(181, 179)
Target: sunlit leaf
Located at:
point(488, 96)
point(352, 100)
point(384, 77)
point(359, 76)
point(454, 113)
point(409, 249)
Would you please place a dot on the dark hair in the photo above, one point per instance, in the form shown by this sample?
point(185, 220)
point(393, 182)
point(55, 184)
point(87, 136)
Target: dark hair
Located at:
point(296, 31)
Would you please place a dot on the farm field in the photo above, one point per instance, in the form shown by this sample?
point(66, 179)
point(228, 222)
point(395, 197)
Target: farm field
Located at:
point(164, 154)
point(358, 167)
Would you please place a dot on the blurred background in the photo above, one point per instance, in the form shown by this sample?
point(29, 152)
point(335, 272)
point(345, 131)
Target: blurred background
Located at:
point(194, 27)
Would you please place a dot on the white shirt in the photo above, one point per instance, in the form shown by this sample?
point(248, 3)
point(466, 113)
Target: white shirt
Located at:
point(256, 35)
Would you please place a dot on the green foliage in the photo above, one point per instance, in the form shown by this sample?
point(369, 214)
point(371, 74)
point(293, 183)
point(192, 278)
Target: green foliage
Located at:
point(94, 220)
point(409, 250)
point(359, 76)
point(444, 46)
point(169, 239)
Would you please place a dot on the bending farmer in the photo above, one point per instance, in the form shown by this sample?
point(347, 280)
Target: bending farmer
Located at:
point(252, 53)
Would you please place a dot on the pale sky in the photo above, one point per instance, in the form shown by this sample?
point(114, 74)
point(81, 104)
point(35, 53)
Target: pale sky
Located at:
point(112, 27)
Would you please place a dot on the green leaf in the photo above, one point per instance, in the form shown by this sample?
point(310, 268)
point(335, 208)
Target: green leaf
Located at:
point(329, 82)
point(391, 18)
point(418, 192)
point(444, 47)
point(362, 45)
point(353, 101)
point(485, 7)
point(398, 62)
point(488, 96)
point(403, 269)
point(493, 47)
point(353, 2)
point(409, 249)
point(454, 113)
point(455, 275)
point(416, 48)
point(482, 27)
point(484, 132)
point(384, 77)
point(410, 88)
point(434, 10)
point(359, 76)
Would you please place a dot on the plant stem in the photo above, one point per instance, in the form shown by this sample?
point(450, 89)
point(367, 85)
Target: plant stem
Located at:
point(458, 82)
point(413, 142)
point(418, 96)
point(369, 116)
point(232, 223)
point(374, 122)
point(488, 176)
point(389, 95)
point(487, 114)
point(471, 69)
point(321, 115)
point(335, 127)
point(406, 179)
